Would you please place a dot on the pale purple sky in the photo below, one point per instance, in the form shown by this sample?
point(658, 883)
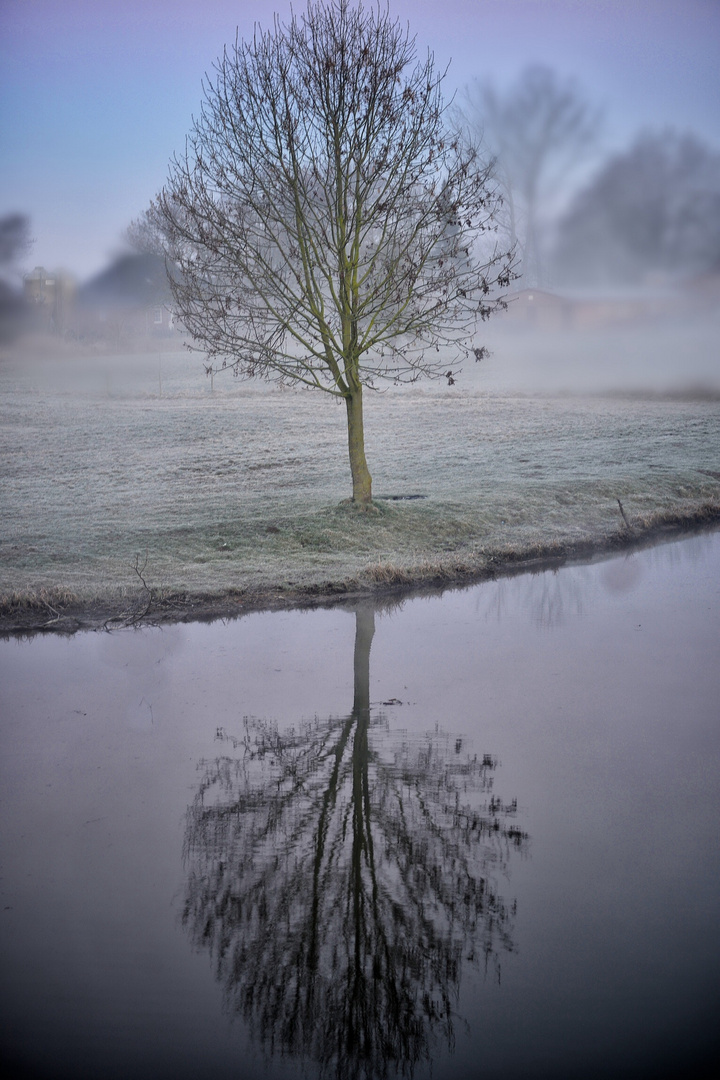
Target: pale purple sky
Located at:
point(96, 95)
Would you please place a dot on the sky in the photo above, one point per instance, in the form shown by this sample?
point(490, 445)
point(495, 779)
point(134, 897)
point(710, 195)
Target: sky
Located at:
point(97, 95)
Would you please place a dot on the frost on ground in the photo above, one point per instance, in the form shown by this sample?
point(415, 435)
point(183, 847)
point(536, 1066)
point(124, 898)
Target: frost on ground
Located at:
point(110, 464)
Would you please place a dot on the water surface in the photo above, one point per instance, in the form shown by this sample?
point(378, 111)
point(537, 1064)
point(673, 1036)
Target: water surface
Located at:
point(468, 835)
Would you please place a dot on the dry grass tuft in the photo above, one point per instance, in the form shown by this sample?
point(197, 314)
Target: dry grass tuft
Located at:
point(705, 514)
point(54, 598)
point(425, 572)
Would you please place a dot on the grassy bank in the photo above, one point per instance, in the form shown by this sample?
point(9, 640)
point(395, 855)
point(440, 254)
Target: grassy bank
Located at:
point(133, 488)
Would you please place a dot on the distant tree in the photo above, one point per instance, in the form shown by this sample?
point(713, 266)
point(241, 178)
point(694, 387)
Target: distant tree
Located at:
point(328, 228)
point(14, 242)
point(14, 238)
point(537, 132)
point(132, 280)
point(652, 209)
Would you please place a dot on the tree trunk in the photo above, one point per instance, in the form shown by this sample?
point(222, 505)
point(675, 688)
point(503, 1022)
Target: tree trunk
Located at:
point(362, 482)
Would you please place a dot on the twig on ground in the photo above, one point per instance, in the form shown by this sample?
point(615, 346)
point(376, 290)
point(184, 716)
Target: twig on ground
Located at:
point(624, 517)
point(52, 611)
point(126, 619)
point(139, 571)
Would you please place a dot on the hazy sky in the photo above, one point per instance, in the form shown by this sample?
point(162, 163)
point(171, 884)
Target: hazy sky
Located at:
point(96, 95)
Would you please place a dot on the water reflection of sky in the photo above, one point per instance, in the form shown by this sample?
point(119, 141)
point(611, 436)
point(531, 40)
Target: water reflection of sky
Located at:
point(592, 690)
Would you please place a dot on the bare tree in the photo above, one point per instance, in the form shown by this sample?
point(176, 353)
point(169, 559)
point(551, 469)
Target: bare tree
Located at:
point(145, 233)
point(537, 131)
point(328, 228)
point(341, 874)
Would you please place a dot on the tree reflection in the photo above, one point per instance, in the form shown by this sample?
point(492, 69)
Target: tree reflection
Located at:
point(549, 595)
point(340, 874)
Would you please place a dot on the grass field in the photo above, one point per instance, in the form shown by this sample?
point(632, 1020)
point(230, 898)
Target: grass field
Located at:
point(128, 479)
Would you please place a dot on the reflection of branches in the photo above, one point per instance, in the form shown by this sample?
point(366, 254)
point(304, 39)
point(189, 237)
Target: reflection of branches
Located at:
point(338, 873)
point(549, 595)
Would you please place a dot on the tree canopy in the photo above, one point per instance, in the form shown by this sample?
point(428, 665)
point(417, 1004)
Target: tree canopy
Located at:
point(325, 225)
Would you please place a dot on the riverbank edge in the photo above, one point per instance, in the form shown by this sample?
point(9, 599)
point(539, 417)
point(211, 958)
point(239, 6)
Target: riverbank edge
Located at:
point(57, 610)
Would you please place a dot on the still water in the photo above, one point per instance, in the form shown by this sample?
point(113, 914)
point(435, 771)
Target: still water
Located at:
point(464, 836)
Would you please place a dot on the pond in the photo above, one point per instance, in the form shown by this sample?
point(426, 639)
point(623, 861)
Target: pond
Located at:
point(464, 835)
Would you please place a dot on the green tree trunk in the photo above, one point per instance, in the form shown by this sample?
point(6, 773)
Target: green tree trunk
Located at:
point(362, 481)
point(364, 633)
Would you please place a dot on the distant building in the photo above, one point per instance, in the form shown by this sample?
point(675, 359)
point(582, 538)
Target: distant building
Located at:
point(50, 298)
